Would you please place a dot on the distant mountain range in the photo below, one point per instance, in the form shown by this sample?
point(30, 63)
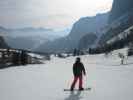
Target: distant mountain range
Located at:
point(26, 29)
point(29, 37)
point(102, 27)
point(82, 27)
point(85, 33)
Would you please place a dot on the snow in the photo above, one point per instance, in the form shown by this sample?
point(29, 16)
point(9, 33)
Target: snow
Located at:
point(108, 79)
point(35, 55)
point(121, 36)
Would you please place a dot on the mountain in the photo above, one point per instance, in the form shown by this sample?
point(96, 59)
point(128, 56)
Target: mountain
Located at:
point(24, 42)
point(120, 19)
point(124, 37)
point(119, 8)
point(3, 44)
point(26, 29)
point(3, 31)
point(80, 28)
point(87, 41)
point(88, 24)
point(30, 31)
point(29, 37)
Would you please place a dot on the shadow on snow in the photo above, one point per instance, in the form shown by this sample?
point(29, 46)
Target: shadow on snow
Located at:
point(74, 96)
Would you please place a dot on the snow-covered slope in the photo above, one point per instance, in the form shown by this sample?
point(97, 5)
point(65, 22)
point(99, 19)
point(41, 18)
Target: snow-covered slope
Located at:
point(108, 79)
point(121, 36)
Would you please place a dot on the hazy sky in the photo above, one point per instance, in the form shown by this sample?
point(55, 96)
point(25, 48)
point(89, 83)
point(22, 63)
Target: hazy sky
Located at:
point(48, 13)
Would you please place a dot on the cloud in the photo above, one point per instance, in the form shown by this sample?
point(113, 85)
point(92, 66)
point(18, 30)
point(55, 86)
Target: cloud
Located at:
point(54, 21)
point(48, 13)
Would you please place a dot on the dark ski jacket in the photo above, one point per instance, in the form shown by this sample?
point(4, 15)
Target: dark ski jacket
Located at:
point(78, 69)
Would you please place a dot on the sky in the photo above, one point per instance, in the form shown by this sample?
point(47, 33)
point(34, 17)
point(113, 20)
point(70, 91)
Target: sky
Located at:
point(55, 14)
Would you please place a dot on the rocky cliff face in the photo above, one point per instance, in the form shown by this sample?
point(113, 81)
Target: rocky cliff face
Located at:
point(87, 41)
point(88, 25)
point(119, 8)
point(120, 19)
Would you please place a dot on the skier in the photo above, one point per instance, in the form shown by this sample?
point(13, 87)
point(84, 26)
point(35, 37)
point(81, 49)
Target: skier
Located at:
point(78, 71)
point(122, 57)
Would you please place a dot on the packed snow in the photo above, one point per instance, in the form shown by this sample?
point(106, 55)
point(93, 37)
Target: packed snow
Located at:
point(108, 79)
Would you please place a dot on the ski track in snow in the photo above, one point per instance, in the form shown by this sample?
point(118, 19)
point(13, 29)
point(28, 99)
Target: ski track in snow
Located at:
point(108, 79)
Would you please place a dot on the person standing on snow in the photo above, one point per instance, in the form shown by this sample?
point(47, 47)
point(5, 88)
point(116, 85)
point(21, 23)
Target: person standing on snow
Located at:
point(122, 57)
point(78, 71)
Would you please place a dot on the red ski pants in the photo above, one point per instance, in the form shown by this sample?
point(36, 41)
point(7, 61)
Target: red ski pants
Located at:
point(76, 78)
